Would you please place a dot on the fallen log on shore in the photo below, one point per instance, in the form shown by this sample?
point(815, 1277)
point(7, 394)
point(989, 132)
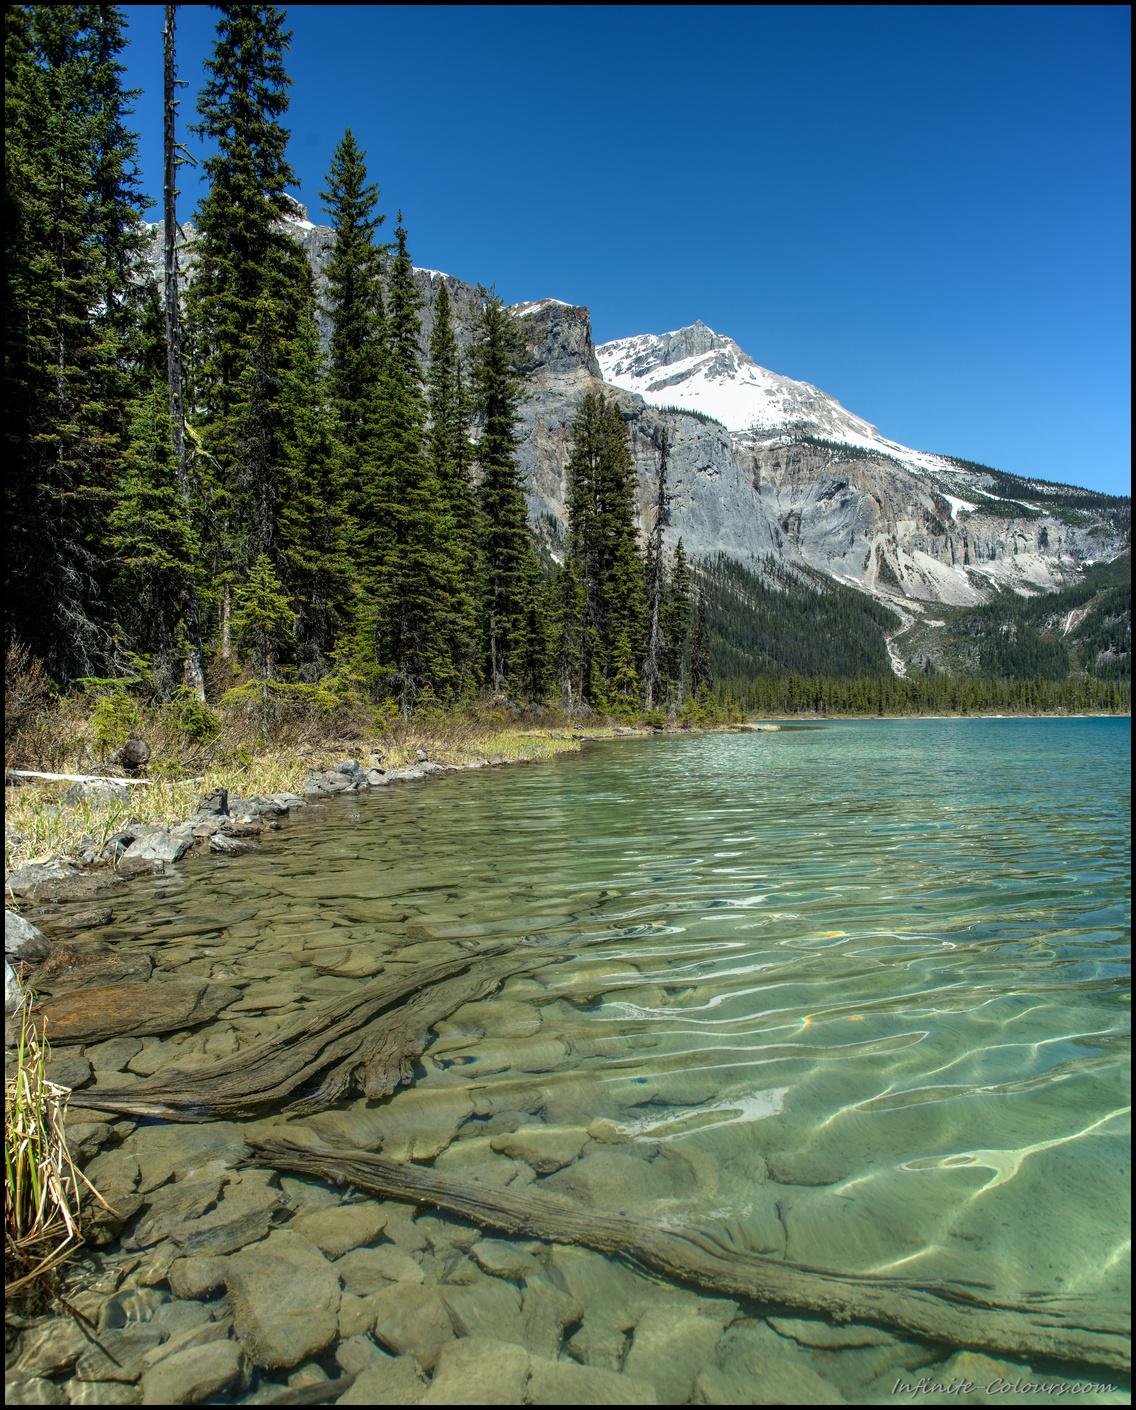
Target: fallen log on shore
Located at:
point(961, 1315)
point(366, 1041)
point(85, 778)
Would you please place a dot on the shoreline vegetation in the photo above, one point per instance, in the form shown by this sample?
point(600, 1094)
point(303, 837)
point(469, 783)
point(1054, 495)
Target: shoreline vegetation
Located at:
point(80, 738)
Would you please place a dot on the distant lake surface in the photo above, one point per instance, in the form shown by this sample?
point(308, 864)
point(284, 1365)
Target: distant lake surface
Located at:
point(858, 993)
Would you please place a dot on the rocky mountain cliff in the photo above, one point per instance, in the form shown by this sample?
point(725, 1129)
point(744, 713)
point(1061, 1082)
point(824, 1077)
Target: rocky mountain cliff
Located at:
point(760, 464)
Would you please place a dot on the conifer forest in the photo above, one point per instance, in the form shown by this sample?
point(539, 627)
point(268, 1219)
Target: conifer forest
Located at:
point(202, 501)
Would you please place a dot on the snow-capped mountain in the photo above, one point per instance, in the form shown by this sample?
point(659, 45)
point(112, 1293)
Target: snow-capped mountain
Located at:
point(699, 369)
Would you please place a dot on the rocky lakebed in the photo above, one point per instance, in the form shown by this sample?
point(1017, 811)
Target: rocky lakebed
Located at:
point(208, 1278)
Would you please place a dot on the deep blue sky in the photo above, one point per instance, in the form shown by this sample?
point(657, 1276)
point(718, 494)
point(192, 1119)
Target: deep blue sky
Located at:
point(924, 211)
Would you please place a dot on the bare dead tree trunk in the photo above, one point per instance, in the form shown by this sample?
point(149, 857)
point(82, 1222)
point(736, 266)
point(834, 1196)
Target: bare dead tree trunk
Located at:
point(226, 612)
point(195, 662)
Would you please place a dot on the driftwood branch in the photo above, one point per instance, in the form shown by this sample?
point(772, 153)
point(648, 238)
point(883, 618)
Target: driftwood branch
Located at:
point(939, 1311)
point(366, 1041)
point(93, 778)
point(82, 778)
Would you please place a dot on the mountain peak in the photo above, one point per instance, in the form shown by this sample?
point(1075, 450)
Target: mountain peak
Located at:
point(704, 371)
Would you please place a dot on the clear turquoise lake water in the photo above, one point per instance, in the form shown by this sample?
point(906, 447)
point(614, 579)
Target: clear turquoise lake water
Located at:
point(854, 994)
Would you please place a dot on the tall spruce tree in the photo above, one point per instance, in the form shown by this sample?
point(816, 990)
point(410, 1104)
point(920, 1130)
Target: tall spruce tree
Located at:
point(676, 630)
point(656, 582)
point(118, 199)
point(506, 544)
point(314, 530)
point(415, 586)
point(148, 530)
point(262, 623)
point(581, 580)
point(175, 391)
point(571, 634)
point(449, 459)
point(71, 218)
point(700, 675)
point(354, 294)
point(245, 301)
point(608, 626)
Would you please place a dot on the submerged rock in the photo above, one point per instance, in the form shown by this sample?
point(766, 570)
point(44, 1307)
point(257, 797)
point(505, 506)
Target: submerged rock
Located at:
point(60, 881)
point(64, 969)
point(565, 1383)
point(193, 1374)
point(479, 1371)
point(23, 940)
point(412, 1322)
point(118, 1353)
point(337, 1231)
point(106, 1010)
point(387, 1380)
point(367, 1270)
point(285, 1299)
point(752, 1365)
point(671, 1345)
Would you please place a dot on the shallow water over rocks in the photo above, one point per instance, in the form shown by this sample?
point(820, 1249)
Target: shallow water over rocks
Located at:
point(852, 996)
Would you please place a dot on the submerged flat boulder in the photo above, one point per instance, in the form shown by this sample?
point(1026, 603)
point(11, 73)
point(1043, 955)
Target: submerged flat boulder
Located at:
point(97, 1011)
point(285, 1299)
point(61, 881)
point(65, 968)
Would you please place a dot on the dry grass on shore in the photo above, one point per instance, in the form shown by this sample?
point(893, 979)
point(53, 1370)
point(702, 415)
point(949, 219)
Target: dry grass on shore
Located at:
point(245, 740)
point(41, 1190)
point(195, 750)
point(39, 824)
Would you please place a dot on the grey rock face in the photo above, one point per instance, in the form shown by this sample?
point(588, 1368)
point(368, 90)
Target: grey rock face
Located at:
point(215, 803)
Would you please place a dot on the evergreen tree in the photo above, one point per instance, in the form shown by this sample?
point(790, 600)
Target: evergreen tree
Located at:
point(314, 539)
point(583, 576)
point(415, 586)
point(570, 633)
point(117, 197)
point(246, 297)
point(628, 624)
point(609, 630)
point(358, 334)
point(656, 582)
point(700, 677)
point(148, 530)
point(262, 622)
point(506, 544)
point(71, 213)
point(676, 629)
point(355, 300)
point(533, 661)
point(449, 459)
point(195, 657)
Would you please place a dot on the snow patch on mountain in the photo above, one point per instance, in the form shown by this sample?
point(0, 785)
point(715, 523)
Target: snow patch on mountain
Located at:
point(957, 504)
point(523, 310)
